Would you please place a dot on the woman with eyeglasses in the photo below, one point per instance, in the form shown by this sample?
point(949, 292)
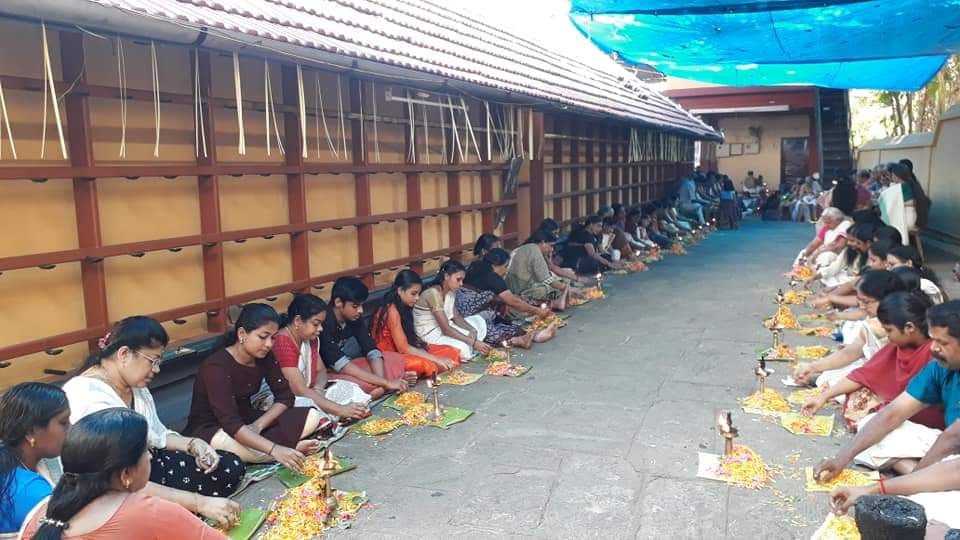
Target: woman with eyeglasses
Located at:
point(185, 470)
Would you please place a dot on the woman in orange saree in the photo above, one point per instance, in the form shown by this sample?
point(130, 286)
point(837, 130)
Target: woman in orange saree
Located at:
point(392, 329)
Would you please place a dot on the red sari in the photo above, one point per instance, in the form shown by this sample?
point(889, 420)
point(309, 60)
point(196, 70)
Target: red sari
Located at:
point(887, 374)
point(391, 337)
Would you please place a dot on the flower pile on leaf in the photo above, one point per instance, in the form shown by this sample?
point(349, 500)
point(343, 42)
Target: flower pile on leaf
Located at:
point(769, 400)
point(803, 273)
point(540, 323)
point(744, 468)
point(504, 369)
point(304, 513)
point(409, 399)
point(594, 293)
point(817, 331)
point(376, 426)
point(418, 415)
point(783, 319)
point(839, 528)
point(795, 297)
point(813, 351)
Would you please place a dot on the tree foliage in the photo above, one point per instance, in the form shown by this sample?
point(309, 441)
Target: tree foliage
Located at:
point(913, 112)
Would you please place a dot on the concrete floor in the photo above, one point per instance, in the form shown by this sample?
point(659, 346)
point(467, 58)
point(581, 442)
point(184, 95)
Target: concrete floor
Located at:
point(600, 439)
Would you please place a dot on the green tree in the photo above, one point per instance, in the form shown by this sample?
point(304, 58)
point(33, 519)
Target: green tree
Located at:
point(913, 112)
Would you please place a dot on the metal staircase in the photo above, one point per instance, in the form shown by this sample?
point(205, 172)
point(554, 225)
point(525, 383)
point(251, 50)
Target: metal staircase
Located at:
point(834, 117)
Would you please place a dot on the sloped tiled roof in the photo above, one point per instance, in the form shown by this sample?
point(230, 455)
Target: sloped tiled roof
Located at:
point(424, 36)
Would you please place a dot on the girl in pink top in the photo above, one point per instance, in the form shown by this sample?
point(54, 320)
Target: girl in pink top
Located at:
point(106, 464)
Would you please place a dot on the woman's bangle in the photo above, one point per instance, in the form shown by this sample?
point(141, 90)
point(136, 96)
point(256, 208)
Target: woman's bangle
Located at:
point(272, 448)
point(883, 488)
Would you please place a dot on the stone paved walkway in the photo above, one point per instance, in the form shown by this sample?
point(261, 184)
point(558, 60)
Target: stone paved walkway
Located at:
point(600, 439)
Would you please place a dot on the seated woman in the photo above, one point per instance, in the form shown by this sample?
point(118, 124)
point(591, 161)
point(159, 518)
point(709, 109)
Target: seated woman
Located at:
point(901, 255)
point(672, 213)
point(552, 228)
point(222, 412)
point(851, 261)
point(582, 249)
point(829, 241)
point(297, 350)
point(186, 470)
point(648, 222)
point(486, 242)
point(616, 245)
point(729, 206)
point(349, 351)
point(485, 293)
point(886, 374)
point(872, 288)
point(34, 418)
point(845, 295)
point(437, 321)
point(637, 235)
point(106, 466)
point(529, 275)
point(392, 328)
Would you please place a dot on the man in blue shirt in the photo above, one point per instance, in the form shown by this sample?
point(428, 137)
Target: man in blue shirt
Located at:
point(889, 440)
point(935, 481)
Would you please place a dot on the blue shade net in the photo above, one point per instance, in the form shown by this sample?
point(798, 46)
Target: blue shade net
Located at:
point(877, 44)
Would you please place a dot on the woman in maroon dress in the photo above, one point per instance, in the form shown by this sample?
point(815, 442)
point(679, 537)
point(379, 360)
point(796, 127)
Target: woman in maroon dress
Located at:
point(222, 413)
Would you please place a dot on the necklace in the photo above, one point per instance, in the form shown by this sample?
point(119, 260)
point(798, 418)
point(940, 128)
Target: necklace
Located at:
point(296, 340)
point(102, 375)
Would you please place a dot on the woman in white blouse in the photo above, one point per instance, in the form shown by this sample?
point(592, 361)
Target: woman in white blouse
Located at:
point(185, 470)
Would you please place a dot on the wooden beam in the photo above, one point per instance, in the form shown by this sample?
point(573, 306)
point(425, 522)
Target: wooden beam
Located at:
point(296, 186)
point(454, 221)
point(537, 177)
point(80, 147)
point(614, 178)
point(414, 201)
point(590, 174)
point(603, 132)
point(560, 125)
point(208, 189)
point(360, 149)
point(575, 210)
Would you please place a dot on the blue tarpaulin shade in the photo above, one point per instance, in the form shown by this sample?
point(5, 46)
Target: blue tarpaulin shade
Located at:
point(879, 44)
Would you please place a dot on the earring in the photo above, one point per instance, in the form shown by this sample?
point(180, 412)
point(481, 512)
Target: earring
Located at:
point(241, 341)
point(32, 442)
point(126, 484)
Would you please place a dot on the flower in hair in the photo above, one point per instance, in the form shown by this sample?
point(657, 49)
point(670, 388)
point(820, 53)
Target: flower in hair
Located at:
point(102, 342)
point(62, 525)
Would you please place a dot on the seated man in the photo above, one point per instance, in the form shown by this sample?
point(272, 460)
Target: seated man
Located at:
point(691, 205)
point(348, 350)
point(887, 439)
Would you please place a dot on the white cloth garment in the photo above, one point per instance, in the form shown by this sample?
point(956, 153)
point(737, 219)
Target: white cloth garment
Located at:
point(908, 441)
point(894, 211)
point(88, 395)
point(873, 340)
point(340, 392)
point(930, 289)
point(436, 336)
point(941, 505)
